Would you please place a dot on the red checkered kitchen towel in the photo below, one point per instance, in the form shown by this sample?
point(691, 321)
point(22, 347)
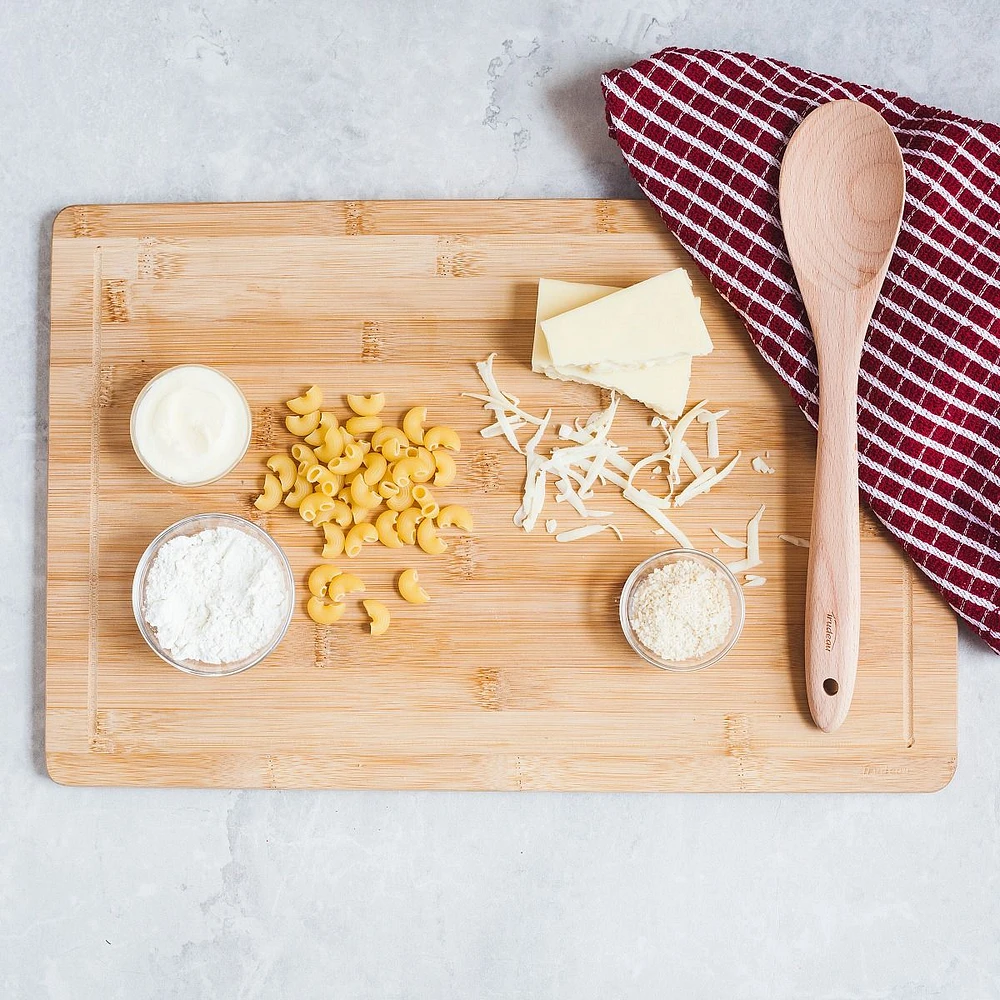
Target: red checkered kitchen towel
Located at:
point(703, 133)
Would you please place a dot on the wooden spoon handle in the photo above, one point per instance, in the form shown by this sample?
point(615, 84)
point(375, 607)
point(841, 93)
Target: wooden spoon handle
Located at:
point(833, 591)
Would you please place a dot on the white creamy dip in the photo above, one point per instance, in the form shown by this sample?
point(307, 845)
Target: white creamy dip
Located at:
point(190, 425)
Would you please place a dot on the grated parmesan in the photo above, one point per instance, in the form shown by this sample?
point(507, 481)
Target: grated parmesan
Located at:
point(759, 465)
point(681, 610)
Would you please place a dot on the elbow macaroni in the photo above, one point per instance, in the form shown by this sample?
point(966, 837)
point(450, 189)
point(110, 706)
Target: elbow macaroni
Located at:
point(455, 515)
point(359, 536)
point(344, 583)
point(428, 539)
point(324, 480)
point(350, 461)
point(375, 466)
point(409, 588)
point(442, 437)
point(387, 433)
point(366, 406)
point(284, 468)
point(270, 496)
point(362, 495)
point(304, 455)
point(327, 420)
point(333, 540)
point(413, 423)
point(393, 449)
point(324, 612)
point(341, 513)
point(406, 525)
point(385, 525)
point(379, 615)
point(320, 577)
point(363, 481)
point(308, 402)
point(302, 426)
point(300, 490)
point(333, 445)
point(387, 489)
point(427, 466)
point(312, 505)
point(362, 425)
point(445, 465)
point(424, 499)
point(403, 498)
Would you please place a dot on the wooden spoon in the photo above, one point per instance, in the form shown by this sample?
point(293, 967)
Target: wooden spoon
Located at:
point(841, 196)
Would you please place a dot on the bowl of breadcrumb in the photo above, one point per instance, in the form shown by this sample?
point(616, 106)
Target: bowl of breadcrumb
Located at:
point(682, 610)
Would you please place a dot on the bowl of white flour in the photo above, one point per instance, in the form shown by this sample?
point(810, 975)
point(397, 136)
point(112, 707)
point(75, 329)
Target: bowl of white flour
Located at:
point(213, 594)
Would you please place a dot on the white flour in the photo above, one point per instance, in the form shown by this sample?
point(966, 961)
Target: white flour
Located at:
point(215, 597)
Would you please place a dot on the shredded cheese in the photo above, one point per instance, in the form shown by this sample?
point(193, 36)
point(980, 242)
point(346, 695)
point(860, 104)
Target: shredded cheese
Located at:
point(711, 420)
point(733, 543)
point(696, 486)
point(690, 460)
point(677, 440)
point(590, 457)
point(754, 581)
point(705, 482)
point(647, 502)
point(712, 435)
point(759, 465)
point(588, 529)
point(753, 545)
point(708, 417)
point(802, 543)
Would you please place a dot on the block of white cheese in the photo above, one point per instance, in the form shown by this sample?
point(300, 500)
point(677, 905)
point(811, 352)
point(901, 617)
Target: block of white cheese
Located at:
point(662, 388)
point(648, 324)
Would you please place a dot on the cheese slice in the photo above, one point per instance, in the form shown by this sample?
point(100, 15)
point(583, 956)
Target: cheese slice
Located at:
point(662, 388)
point(555, 298)
point(651, 323)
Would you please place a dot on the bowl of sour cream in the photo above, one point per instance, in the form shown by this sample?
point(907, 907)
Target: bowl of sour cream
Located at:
point(190, 425)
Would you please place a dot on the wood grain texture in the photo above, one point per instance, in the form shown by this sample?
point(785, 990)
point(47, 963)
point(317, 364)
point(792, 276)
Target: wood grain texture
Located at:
point(841, 192)
point(516, 676)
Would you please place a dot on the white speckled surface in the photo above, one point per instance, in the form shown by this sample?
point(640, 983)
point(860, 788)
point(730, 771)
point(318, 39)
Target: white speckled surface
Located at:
point(123, 895)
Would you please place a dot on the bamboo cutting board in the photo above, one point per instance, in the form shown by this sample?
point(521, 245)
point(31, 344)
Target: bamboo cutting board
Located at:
point(516, 676)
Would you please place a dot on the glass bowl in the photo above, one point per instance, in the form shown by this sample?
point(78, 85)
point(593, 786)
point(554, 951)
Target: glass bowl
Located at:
point(733, 589)
point(191, 526)
point(137, 448)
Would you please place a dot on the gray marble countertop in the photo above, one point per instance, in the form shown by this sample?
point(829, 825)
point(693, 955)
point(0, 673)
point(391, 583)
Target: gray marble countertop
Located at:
point(124, 894)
